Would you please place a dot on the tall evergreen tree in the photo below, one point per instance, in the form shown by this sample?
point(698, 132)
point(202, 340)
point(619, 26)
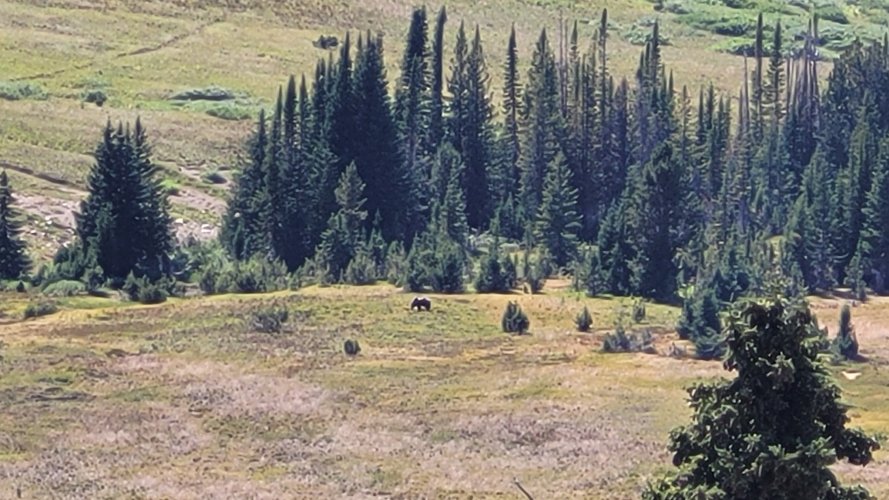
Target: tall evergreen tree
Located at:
point(243, 231)
point(874, 233)
point(542, 117)
point(436, 104)
point(380, 165)
point(14, 260)
point(123, 225)
point(558, 221)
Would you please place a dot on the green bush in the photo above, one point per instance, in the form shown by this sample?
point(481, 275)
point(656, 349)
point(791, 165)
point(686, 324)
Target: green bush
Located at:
point(735, 24)
point(214, 177)
point(621, 341)
point(41, 308)
point(14, 91)
point(270, 319)
point(256, 275)
point(211, 93)
point(95, 96)
point(230, 111)
point(514, 319)
point(446, 274)
point(64, 288)
point(145, 291)
point(396, 264)
point(361, 270)
point(584, 320)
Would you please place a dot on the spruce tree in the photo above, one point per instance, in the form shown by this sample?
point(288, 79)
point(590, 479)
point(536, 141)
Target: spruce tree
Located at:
point(542, 123)
point(244, 232)
point(511, 114)
point(345, 231)
point(14, 261)
point(874, 234)
point(772, 431)
point(123, 225)
point(379, 164)
point(558, 222)
point(436, 104)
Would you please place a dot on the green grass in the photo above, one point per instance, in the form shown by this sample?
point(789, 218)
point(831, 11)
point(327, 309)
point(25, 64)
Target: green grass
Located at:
point(436, 404)
point(142, 55)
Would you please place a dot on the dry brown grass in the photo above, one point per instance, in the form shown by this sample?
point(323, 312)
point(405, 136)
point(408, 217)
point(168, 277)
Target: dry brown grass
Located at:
point(438, 405)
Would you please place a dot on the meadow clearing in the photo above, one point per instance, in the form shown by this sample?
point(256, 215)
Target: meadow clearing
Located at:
point(106, 399)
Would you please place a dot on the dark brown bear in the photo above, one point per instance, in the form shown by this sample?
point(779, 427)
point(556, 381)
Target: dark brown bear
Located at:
point(420, 303)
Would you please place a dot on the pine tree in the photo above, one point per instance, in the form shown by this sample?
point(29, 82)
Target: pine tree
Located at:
point(452, 218)
point(558, 222)
point(845, 344)
point(511, 113)
point(379, 165)
point(243, 232)
point(653, 204)
point(542, 124)
point(436, 105)
point(14, 261)
point(772, 431)
point(874, 235)
point(345, 231)
point(412, 117)
point(123, 225)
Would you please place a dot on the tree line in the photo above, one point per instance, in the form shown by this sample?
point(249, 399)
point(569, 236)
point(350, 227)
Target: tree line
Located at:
point(633, 186)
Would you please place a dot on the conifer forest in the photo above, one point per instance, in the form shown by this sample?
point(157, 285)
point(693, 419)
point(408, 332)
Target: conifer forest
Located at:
point(595, 256)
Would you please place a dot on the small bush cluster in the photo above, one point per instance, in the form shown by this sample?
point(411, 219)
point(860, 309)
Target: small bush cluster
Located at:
point(95, 96)
point(40, 308)
point(621, 341)
point(270, 319)
point(15, 91)
point(496, 275)
point(145, 291)
point(211, 93)
point(514, 319)
point(255, 275)
point(230, 111)
point(64, 288)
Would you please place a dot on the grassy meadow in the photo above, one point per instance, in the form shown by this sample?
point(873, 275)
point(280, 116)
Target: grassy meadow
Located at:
point(139, 54)
point(105, 399)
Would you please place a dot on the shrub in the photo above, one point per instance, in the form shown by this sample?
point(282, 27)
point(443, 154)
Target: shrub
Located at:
point(638, 311)
point(211, 93)
point(832, 12)
point(41, 308)
point(490, 278)
point(64, 288)
point(446, 275)
point(361, 270)
point(214, 177)
point(152, 293)
point(145, 291)
point(351, 347)
point(514, 319)
point(270, 319)
point(229, 111)
point(20, 287)
point(621, 341)
point(396, 264)
point(845, 344)
point(95, 96)
point(583, 320)
point(14, 91)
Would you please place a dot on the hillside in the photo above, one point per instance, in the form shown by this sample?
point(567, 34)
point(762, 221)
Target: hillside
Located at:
point(142, 53)
point(187, 400)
